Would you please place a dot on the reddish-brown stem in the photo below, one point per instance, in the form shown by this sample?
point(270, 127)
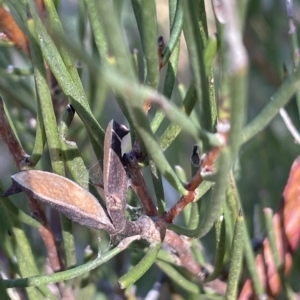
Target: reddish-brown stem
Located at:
point(178, 207)
point(13, 31)
point(207, 164)
point(6, 133)
point(22, 160)
point(54, 259)
point(182, 248)
point(138, 184)
point(47, 236)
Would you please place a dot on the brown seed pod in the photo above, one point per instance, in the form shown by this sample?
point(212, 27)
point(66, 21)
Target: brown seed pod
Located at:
point(114, 175)
point(64, 195)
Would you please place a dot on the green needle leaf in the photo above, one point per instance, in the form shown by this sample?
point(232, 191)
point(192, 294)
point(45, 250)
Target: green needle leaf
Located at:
point(235, 264)
point(140, 269)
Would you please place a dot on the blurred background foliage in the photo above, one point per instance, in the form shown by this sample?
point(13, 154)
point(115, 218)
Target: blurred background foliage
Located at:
point(264, 162)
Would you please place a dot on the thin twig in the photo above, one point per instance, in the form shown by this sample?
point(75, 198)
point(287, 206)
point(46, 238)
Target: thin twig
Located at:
point(138, 184)
point(289, 124)
point(207, 163)
point(21, 158)
point(182, 248)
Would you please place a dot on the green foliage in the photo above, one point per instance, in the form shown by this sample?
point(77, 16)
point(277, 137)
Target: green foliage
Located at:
point(82, 54)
